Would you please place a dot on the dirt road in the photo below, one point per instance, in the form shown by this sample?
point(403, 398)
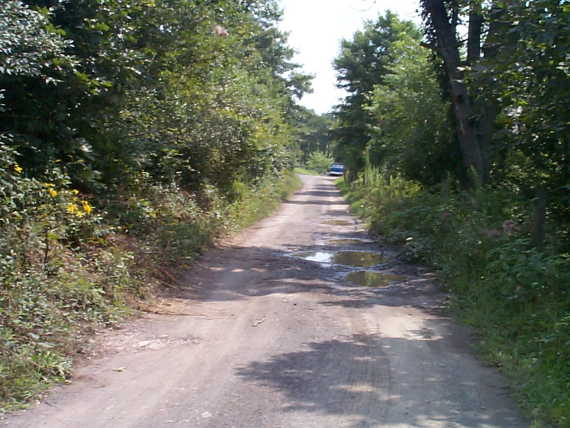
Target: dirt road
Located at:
point(271, 331)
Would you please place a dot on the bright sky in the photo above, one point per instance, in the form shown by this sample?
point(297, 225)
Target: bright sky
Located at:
point(316, 28)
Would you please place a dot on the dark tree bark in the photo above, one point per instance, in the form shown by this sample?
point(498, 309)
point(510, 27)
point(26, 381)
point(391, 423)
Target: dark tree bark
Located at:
point(443, 32)
point(474, 34)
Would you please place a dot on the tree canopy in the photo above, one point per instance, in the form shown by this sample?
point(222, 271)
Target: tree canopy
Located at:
point(362, 64)
point(195, 91)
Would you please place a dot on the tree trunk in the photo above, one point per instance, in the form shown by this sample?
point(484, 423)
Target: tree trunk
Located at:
point(448, 47)
point(474, 34)
point(487, 107)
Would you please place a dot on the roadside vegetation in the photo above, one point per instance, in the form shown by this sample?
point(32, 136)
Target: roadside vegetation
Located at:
point(317, 163)
point(315, 143)
point(456, 137)
point(133, 133)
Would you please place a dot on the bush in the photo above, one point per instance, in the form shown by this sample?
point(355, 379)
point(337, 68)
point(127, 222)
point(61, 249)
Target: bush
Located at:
point(319, 162)
point(57, 274)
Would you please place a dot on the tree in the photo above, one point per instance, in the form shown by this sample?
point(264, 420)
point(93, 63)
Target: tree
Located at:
point(509, 85)
point(29, 46)
point(442, 20)
point(412, 135)
point(362, 64)
point(313, 133)
point(189, 91)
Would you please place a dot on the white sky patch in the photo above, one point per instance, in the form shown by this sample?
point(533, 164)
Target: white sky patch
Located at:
point(316, 28)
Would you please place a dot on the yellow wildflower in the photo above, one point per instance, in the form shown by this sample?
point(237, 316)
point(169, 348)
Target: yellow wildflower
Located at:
point(52, 192)
point(74, 210)
point(86, 207)
point(48, 185)
point(18, 168)
point(75, 191)
point(71, 208)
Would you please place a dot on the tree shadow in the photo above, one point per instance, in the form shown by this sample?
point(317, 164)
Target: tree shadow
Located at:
point(247, 272)
point(312, 202)
point(359, 379)
point(324, 193)
point(244, 272)
point(339, 213)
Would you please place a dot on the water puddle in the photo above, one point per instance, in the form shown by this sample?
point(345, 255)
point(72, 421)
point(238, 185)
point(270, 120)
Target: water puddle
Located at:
point(368, 278)
point(348, 242)
point(339, 222)
point(358, 258)
point(316, 256)
point(348, 258)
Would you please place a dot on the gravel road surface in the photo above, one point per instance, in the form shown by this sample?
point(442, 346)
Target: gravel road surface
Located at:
point(269, 331)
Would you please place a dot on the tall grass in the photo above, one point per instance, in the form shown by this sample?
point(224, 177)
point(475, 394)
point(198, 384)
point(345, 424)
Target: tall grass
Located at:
point(516, 295)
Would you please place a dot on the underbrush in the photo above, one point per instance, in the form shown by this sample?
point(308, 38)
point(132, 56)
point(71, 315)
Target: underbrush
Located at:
point(319, 162)
point(70, 264)
point(305, 171)
point(516, 295)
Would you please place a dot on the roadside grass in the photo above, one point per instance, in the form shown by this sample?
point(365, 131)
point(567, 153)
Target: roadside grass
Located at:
point(261, 201)
point(305, 171)
point(516, 296)
point(68, 269)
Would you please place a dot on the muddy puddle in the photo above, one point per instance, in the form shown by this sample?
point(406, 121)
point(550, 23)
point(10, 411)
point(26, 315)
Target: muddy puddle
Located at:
point(348, 242)
point(339, 222)
point(367, 278)
point(347, 258)
point(358, 258)
point(316, 256)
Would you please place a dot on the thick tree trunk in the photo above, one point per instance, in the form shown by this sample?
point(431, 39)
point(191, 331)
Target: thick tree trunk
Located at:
point(474, 34)
point(448, 46)
point(487, 107)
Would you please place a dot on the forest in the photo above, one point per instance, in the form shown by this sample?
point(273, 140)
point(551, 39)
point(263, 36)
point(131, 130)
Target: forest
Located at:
point(133, 133)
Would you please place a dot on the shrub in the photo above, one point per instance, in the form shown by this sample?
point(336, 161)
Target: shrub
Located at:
point(56, 275)
point(319, 162)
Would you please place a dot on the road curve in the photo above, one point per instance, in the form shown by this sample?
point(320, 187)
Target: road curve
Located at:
point(260, 337)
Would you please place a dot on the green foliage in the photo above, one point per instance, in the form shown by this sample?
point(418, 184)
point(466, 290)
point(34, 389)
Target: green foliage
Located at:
point(205, 97)
point(362, 64)
point(305, 171)
point(313, 133)
point(319, 162)
point(29, 45)
point(509, 85)
point(260, 201)
point(51, 283)
point(533, 88)
point(412, 133)
point(375, 190)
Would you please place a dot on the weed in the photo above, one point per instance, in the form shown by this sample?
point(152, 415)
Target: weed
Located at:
point(306, 171)
point(319, 162)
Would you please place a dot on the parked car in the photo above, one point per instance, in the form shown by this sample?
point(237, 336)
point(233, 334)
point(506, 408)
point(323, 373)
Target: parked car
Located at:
point(336, 169)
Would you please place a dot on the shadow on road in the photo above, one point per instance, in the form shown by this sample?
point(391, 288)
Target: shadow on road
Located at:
point(353, 377)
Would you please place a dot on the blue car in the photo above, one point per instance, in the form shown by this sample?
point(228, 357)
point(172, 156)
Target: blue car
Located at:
point(336, 169)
